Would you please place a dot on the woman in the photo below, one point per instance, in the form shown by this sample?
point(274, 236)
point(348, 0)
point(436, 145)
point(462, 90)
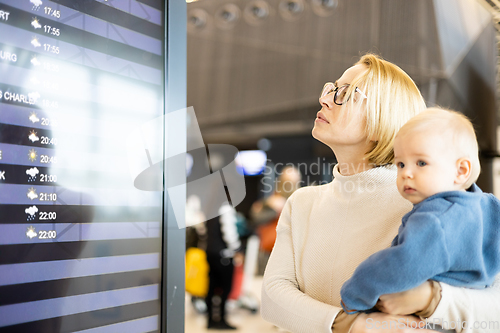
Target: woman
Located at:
point(326, 231)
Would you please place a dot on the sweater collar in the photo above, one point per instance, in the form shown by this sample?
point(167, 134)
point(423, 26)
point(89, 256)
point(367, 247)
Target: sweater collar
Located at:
point(366, 181)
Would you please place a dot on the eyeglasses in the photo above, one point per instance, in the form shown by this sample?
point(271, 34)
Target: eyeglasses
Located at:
point(340, 97)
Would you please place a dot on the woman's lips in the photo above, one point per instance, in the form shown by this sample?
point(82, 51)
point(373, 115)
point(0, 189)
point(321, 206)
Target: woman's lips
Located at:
point(321, 118)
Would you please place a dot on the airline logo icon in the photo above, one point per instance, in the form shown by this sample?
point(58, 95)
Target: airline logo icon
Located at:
point(31, 211)
point(36, 24)
point(214, 178)
point(32, 173)
point(32, 194)
point(33, 137)
point(34, 118)
point(30, 232)
point(36, 4)
point(35, 42)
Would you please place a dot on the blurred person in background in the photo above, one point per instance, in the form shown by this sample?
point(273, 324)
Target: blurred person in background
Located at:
point(223, 249)
point(197, 267)
point(264, 213)
point(325, 232)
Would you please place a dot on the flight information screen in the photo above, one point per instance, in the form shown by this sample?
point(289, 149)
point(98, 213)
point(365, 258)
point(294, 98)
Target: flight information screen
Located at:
point(80, 247)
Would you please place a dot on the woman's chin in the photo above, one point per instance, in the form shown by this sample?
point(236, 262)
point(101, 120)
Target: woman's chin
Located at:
point(316, 133)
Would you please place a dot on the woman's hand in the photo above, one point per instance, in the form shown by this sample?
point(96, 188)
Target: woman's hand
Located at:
point(406, 302)
point(386, 323)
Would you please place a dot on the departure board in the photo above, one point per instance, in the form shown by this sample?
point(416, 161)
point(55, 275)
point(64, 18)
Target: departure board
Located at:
point(80, 247)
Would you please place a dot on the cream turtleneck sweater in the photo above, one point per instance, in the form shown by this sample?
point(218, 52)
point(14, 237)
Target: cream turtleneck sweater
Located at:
point(324, 233)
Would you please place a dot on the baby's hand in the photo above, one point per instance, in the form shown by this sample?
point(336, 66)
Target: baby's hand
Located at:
point(406, 302)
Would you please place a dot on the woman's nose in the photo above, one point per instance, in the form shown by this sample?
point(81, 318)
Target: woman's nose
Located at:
point(326, 101)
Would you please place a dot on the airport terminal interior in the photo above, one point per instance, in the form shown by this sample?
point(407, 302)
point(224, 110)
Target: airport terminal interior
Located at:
point(148, 147)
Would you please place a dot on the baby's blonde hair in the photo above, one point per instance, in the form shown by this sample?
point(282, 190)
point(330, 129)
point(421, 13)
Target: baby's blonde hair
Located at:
point(452, 126)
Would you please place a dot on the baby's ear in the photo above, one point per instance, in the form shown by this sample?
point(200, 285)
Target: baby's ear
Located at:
point(464, 168)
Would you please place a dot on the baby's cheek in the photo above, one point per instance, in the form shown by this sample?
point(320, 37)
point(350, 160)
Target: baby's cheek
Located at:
point(399, 181)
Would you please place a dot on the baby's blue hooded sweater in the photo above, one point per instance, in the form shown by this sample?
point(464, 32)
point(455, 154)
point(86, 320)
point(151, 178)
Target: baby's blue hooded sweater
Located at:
point(451, 237)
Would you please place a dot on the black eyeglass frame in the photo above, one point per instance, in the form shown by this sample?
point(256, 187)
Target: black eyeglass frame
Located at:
point(336, 91)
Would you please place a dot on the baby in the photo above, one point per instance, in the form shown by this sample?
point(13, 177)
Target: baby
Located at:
point(452, 234)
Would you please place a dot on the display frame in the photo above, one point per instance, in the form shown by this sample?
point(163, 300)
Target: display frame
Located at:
point(174, 238)
point(170, 255)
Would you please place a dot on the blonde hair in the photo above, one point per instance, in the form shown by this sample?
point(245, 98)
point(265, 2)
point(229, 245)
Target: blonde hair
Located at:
point(454, 127)
point(393, 98)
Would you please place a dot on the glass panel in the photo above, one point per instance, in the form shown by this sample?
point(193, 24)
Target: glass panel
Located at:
point(80, 246)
